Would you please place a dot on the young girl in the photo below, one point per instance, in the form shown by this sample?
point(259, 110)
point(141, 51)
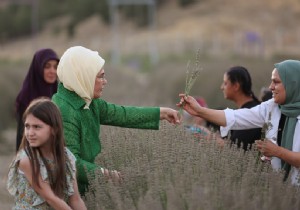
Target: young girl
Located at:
point(43, 174)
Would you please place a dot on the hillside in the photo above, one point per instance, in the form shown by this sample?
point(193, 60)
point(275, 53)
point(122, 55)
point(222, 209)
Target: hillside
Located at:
point(210, 25)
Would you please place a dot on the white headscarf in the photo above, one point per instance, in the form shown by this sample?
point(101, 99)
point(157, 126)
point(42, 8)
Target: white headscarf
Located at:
point(77, 70)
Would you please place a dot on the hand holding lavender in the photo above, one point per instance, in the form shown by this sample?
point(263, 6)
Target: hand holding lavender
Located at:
point(266, 127)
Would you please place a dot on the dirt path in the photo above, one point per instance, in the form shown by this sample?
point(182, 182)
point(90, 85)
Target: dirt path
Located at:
point(7, 146)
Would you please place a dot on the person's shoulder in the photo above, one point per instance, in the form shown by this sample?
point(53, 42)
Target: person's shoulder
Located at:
point(21, 156)
point(71, 160)
point(68, 109)
point(269, 102)
point(24, 163)
point(270, 106)
point(66, 99)
point(100, 101)
point(69, 154)
point(250, 104)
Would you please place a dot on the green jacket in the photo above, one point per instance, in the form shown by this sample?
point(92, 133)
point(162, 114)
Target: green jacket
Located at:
point(82, 126)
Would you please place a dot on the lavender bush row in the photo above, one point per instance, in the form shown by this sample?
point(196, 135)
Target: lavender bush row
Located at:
point(172, 169)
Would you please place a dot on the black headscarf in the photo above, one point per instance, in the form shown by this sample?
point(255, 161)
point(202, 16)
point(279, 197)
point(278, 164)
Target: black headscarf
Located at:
point(34, 85)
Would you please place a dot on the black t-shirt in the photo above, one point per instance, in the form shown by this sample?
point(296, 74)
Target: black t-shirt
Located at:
point(248, 136)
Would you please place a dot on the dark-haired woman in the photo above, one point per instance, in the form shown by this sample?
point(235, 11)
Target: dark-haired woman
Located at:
point(41, 80)
point(237, 87)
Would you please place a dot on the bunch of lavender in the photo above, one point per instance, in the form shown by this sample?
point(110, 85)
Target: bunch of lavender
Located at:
point(191, 77)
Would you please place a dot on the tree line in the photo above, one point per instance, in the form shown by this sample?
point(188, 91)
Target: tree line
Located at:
point(16, 18)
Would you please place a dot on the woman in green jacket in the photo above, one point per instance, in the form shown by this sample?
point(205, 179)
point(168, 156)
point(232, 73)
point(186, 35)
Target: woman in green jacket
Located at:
point(82, 79)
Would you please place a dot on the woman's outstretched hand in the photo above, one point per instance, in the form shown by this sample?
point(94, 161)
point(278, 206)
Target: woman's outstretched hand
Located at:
point(113, 175)
point(189, 104)
point(170, 115)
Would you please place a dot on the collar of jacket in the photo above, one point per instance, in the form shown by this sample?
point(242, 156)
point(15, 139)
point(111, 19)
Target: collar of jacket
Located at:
point(71, 97)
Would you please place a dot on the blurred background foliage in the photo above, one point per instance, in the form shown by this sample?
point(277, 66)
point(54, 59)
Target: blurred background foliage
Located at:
point(19, 15)
point(256, 35)
point(16, 19)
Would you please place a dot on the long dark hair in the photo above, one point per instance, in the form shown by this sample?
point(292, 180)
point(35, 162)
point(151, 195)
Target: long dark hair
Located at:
point(45, 110)
point(239, 74)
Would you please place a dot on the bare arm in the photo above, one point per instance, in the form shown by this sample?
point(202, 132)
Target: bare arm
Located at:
point(213, 115)
point(44, 190)
point(75, 200)
point(190, 105)
point(293, 158)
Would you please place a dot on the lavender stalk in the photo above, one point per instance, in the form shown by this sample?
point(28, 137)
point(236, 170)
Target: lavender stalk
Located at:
point(191, 77)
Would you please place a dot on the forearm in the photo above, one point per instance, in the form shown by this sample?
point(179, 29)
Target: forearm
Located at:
point(293, 158)
point(54, 201)
point(131, 116)
point(58, 204)
point(44, 190)
point(212, 115)
point(78, 204)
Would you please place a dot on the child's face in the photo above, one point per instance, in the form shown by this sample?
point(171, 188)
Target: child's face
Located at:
point(37, 132)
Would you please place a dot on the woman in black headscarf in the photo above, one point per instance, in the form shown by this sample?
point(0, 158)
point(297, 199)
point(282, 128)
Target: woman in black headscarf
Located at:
point(41, 80)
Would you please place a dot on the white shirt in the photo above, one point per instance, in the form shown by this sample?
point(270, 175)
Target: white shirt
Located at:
point(255, 117)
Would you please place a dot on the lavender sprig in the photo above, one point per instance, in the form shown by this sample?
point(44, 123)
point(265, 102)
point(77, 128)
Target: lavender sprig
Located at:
point(191, 77)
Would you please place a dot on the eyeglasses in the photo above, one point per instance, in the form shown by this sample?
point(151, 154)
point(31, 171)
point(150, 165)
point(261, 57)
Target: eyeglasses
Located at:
point(102, 77)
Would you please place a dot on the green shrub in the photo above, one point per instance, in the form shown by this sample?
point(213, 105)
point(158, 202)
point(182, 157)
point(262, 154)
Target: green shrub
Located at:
point(10, 84)
point(19, 24)
point(78, 10)
point(186, 2)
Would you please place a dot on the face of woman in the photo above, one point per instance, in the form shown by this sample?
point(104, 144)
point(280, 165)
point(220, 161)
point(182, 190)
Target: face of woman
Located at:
point(100, 82)
point(227, 87)
point(50, 68)
point(277, 88)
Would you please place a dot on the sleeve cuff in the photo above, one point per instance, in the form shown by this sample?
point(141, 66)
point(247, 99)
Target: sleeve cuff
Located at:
point(229, 115)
